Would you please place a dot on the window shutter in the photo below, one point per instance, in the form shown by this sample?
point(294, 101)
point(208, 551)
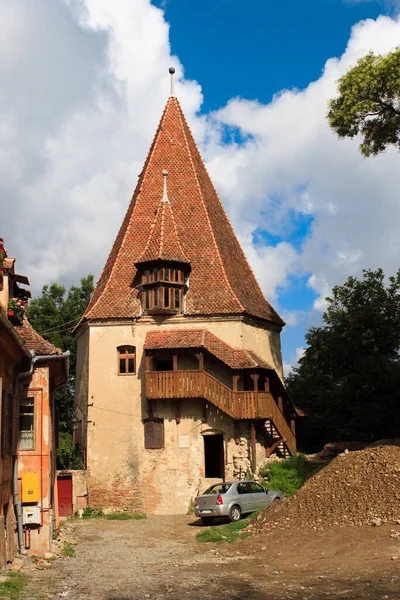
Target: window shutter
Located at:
point(153, 434)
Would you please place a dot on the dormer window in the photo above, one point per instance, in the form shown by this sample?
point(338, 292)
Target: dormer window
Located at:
point(163, 289)
point(163, 268)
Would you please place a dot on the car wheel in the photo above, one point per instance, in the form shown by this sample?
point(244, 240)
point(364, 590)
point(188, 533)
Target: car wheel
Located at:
point(206, 520)
point(277, 499)
point(235, 514)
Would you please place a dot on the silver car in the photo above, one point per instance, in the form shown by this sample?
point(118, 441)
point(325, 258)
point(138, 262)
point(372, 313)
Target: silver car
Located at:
point(233, 499)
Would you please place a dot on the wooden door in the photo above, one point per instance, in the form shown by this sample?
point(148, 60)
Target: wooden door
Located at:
point(64, 486)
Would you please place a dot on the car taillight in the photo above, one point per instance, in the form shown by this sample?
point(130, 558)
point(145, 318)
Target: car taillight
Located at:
point(195, 503)
point(219, 500)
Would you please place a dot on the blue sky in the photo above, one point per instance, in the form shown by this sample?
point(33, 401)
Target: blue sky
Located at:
point(254, 79)
point(259, 47)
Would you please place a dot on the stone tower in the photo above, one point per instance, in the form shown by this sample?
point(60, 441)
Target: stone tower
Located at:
point(179, 361)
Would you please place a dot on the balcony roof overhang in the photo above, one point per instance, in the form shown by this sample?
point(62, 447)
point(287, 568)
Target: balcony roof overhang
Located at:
point(235, 358)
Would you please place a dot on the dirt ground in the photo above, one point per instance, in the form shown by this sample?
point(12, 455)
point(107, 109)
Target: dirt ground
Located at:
point(160, 558)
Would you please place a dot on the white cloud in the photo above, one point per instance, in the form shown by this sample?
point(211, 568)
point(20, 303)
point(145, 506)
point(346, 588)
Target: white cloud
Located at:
point(84, 83)
point(294, 162)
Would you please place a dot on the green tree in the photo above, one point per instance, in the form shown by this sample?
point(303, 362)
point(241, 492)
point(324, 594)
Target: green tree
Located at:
point(369, 103)
point(54, 314)
point(348, 380)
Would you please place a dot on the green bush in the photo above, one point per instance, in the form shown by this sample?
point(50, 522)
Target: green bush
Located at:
point(287, 475)
point(68, 456)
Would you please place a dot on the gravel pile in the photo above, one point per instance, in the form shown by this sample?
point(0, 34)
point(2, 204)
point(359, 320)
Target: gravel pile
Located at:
point(356, 488)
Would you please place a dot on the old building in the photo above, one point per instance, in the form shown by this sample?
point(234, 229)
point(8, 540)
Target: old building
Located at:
point(30, 370)
point(179, 372)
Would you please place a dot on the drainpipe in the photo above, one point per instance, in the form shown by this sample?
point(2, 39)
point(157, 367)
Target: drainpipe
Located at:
point(17, 504)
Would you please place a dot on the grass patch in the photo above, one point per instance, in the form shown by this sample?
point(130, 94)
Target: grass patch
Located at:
point(124, 516)
point(92, 513)
point(226, 533)
point(288, 475)
point(14, 585)
point(68, 550)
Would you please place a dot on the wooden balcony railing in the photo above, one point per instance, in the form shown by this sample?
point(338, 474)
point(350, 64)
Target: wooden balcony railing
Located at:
point(238, 405)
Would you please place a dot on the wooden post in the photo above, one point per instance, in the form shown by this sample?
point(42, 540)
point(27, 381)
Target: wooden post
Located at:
point(148, 362)
point(266, 384)
point(178, 411)
point(235, 382)
point(280, 403)
point(255, 377)
point(253, 448)
point(293, 426)
point(204, 417)
point(237, 432)
point(175, 362)
point(200, 358)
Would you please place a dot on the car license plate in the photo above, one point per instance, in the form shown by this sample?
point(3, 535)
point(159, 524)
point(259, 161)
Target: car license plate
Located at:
point(205, 512)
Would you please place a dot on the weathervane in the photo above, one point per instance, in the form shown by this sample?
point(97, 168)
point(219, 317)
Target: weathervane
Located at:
point(172, 71)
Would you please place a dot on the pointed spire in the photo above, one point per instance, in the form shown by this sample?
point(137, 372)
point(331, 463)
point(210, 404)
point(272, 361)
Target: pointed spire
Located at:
point(172, 73)
point(165, 192)
point(163, 242)
point(193, 227)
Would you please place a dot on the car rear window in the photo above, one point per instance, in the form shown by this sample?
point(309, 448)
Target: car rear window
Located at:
point(219, 488)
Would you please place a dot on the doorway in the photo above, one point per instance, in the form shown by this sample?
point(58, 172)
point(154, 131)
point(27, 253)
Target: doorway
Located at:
point(64, 485)
point(214, 456)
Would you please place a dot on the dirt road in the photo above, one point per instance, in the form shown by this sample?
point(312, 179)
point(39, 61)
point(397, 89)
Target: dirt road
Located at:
point(159, 558)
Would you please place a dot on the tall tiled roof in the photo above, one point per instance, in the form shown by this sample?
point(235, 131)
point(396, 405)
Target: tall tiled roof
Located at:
point(34, 341)
point(163, 240)
point(221, 280)
point(173, 339)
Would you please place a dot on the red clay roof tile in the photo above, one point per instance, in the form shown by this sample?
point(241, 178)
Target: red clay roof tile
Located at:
point(236, 358)
point(34, 341)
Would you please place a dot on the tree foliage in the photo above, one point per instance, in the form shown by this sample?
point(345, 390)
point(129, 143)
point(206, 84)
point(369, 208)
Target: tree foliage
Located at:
point(369, 103)
point(348, 380)
point(54, 314)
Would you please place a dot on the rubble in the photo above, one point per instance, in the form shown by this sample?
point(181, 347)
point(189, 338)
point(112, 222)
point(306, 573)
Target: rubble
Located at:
point(356, 488)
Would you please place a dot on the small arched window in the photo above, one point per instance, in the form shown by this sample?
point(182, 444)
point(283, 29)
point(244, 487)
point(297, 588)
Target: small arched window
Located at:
point(126, 360)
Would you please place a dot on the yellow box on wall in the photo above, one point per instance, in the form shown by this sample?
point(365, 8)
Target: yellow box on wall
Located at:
point(30, 485)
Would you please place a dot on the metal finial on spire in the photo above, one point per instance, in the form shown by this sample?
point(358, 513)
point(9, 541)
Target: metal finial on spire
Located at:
point(165, 192)
point(172, 72)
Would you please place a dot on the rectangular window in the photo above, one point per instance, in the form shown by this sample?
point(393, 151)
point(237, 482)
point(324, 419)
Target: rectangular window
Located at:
point(153, 434)
point(126, 360)
point(155, 274)
point(27, 424)
point(147, 299)
point(166, 297)
point(177, 299)
point(166, 274)
point(155, 297)
point(147, 274)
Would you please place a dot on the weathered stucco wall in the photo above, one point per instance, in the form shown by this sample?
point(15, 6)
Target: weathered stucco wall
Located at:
point(39, 459)
point(121, 472)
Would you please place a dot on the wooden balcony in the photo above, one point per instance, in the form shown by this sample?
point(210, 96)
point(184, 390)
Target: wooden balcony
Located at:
point(238, 405)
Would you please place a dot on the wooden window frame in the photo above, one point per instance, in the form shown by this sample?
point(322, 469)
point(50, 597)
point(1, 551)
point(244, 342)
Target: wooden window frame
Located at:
point(23, 400)
point(124, 354)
